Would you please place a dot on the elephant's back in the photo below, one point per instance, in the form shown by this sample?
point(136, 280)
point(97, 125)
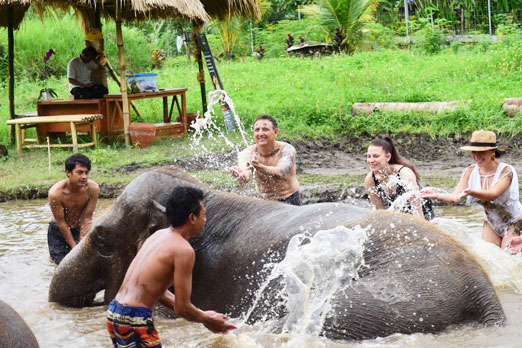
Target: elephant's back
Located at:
point(416, 278)
point(14, 331)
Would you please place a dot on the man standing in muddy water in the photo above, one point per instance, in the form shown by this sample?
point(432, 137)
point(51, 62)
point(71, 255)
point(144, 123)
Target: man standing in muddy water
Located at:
point(165, 258)
point(72, 203)
point(271, 162)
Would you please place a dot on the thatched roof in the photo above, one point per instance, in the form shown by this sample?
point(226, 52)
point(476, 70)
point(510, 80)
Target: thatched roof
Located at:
point(223, 8)
point(18, 13)
point(196, 11)
point(132, 10)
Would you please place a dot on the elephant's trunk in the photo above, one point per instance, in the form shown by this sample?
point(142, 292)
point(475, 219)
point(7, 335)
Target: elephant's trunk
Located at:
point(79, 277)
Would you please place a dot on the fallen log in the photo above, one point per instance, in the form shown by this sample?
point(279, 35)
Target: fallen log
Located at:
point(513, 101)
point(430, 107)
point(512, 106)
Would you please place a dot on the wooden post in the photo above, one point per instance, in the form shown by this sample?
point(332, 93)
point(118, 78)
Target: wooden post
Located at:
point(201, 74)
point(10, 68)
point(18, 138)
point(49, 153)
point(93, 134)
point(187, 46)
point(117, 80)
point(124, 97)
point(74, 135)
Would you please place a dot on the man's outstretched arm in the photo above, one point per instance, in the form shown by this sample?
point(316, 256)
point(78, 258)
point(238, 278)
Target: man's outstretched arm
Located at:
point(183, 265)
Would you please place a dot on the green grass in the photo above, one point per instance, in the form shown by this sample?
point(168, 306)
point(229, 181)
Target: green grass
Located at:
point(308, 97)
point(313, 97)
point(31, 168)
point(330, 179)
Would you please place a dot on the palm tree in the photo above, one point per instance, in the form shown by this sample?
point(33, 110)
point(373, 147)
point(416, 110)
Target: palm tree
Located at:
point(343, 20)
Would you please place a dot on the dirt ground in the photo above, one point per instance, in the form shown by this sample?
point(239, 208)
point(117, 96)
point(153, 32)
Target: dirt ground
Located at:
point(434, 157)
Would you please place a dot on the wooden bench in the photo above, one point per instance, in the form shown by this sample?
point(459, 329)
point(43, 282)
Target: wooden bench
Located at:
point(73, 121)
point(25, 139)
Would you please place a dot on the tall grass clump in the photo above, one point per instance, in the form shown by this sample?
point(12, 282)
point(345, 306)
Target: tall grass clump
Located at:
point(430, 39)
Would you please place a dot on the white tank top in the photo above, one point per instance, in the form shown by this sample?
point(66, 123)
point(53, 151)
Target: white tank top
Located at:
point(503, 211)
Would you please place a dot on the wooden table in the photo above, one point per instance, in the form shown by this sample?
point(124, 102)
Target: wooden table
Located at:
point(115, 107)
point(72, 107)
point(74, 122)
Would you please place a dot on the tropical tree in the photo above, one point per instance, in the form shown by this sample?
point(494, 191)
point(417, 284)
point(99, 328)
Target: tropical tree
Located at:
point(229, 31)
point(343, 20)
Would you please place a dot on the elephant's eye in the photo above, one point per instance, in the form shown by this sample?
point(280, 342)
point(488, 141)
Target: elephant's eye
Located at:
point(101, 243)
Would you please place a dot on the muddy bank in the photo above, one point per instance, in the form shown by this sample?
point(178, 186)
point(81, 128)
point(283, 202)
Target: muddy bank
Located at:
point(42, 191)
point(435, 157)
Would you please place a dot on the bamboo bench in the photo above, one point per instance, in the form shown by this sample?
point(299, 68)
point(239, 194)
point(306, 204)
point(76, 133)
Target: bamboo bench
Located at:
point(24, 137)
point(73, 120)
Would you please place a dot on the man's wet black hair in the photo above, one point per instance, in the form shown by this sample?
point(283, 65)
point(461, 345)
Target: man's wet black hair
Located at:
point(268, 118)
point(77, 158)
point(89, 50)
point(183, 201)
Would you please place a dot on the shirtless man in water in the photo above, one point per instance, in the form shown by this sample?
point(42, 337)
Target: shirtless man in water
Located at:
point(165, 258)
point(271, 162)
point(72, 203)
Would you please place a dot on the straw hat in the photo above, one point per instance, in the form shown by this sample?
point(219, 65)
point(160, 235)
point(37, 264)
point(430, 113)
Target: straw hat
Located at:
point(482, 141)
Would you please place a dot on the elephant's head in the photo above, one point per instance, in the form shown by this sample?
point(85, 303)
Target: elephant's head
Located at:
point(101, 259)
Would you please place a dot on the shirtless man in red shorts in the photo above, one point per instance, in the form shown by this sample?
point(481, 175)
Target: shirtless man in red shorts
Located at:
point(165, 258)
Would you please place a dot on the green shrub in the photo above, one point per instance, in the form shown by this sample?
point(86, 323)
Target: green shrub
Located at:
point(455, 47)
point(377, 36)
point(483, 45)
point(430, 40)
point(3, 64)
point(509, 34)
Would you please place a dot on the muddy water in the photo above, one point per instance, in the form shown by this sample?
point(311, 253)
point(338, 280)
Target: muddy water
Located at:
point(25, 274)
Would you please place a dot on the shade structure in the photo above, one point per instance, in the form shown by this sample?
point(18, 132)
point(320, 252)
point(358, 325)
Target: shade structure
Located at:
point(195, 11)
point(221, 9)
point(18, 9)
point(131, 10)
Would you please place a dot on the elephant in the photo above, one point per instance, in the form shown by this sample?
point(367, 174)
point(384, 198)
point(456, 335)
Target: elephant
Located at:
point(413, 276)
point(14, 331)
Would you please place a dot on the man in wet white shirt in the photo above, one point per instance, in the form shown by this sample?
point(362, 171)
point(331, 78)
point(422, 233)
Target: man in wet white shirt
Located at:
point(270, 162)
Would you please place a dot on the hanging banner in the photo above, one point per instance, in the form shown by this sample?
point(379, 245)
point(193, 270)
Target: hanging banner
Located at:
point(216, 81)
point(209, 60)
point(179, 43)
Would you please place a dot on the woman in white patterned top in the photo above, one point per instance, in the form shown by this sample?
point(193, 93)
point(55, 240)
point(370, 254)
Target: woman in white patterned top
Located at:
point(491, 183)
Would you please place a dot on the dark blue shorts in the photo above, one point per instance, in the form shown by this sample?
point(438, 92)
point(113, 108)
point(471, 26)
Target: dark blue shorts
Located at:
point(58, 246)
point(294, 199)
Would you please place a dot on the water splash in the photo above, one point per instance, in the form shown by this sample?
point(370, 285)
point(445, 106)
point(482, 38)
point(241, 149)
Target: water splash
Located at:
point(313, 270)
point(504, 269)
point(206, 124)
point(403, 203)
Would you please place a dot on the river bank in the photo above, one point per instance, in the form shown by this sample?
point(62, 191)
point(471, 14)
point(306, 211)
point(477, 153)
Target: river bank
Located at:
point(328, 170)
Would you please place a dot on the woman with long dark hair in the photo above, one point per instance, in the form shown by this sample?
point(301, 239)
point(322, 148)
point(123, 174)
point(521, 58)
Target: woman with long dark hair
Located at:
point(390, 177)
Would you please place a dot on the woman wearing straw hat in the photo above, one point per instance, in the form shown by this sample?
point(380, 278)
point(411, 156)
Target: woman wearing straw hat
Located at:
point(491, 183)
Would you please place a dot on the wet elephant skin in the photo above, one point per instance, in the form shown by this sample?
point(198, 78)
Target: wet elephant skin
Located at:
point(415, 278)
point(14, 331)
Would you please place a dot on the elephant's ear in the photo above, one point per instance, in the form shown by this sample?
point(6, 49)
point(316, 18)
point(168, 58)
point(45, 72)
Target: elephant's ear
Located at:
point(158, 218)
